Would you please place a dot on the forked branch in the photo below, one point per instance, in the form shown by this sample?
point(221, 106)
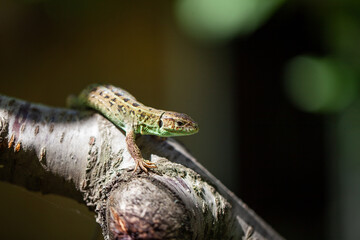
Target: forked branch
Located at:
point(82, 155)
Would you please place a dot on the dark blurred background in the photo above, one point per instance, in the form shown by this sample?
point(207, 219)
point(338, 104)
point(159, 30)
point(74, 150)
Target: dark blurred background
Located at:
point(272, 83)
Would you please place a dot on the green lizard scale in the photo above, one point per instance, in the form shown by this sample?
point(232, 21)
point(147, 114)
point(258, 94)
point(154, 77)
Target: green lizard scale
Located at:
point(127, 113)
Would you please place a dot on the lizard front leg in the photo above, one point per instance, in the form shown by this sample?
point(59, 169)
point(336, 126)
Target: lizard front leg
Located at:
point(136, 154)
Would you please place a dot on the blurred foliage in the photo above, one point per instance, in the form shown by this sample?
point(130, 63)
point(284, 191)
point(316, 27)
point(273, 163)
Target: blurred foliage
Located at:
point(221, 20)
point(328, 83)
point(320, 85)
point(343, 37)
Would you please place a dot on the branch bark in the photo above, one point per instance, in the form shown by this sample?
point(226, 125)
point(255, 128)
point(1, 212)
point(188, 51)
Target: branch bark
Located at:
point(81, 155)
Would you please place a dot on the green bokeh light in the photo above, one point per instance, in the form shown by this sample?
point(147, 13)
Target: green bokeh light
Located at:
point(320, 85)
point(222, 19)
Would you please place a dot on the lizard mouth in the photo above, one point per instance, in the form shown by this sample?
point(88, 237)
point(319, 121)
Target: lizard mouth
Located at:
point(186, 130)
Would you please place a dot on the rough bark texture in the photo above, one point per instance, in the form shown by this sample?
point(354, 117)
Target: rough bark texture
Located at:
point(82, 155)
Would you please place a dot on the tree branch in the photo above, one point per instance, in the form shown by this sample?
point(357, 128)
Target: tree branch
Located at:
point(81, 155)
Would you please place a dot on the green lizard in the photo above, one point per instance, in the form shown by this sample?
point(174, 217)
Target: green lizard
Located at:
point(121, 108)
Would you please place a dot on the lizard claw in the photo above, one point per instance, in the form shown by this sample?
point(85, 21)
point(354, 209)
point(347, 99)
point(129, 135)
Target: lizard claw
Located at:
point(144, 165)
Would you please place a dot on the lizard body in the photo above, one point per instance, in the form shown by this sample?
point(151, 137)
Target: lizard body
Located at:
point(121, 108)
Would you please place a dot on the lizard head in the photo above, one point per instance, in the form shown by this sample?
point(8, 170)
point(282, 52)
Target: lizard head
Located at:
point(176, 124)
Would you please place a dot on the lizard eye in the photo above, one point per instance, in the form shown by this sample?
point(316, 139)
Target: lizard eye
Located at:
point(160, 123)
point(179, 124)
